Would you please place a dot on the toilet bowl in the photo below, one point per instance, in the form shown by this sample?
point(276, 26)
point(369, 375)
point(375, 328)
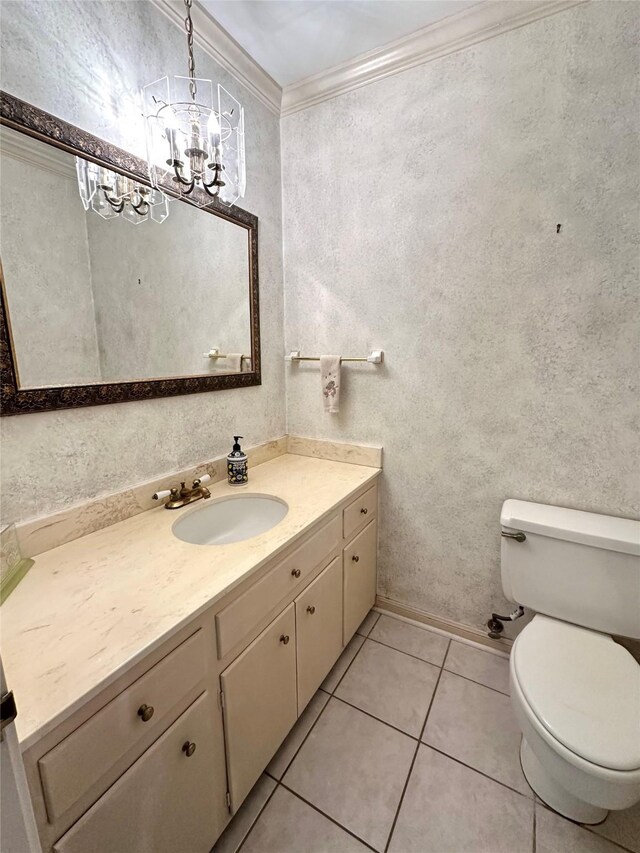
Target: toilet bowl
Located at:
point(576, 696)
point(574, 690)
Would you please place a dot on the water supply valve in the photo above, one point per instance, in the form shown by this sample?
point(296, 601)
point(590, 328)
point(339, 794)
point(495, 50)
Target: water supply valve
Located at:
point(496, 626)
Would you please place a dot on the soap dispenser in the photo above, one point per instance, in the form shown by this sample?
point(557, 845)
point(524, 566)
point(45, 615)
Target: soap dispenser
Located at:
point(237, 464)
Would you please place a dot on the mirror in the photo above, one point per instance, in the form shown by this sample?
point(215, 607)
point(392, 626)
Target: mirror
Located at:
point(100, 307)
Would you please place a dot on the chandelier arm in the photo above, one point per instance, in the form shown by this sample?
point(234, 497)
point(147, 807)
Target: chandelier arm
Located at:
point(214, 194)
point(138, 207)
point(214, 183)
point(118, 206)
point(183, 181)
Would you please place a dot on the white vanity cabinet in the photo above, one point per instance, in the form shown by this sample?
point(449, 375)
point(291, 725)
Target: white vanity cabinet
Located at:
point(125, 725)
point(159, 761)
point(269, 685)
point(359, 558)
point(166, 802)
point(318, 630)
point(260, 703)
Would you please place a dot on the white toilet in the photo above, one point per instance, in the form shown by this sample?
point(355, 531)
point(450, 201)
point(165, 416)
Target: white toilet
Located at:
point(576, 692)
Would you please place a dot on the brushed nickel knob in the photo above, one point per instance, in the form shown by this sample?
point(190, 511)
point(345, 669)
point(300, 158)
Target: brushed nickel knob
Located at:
point(311, 609)
point(364, 510)
point(284, 639)
point(355, 558)
point(145, 712)
point(296, 573)
point(188, 747)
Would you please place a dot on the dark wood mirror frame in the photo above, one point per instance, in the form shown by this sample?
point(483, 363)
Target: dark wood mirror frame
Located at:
point(28, 119)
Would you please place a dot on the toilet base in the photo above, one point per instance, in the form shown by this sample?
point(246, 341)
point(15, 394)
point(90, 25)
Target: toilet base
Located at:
point(553, 794)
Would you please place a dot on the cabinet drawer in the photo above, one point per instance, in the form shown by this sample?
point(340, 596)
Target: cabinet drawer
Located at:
point(360, 512)
point(168, 800)
point(359, 578)
point(318, 630)
point(241, 616)
point(260, 705)
point(83, 757)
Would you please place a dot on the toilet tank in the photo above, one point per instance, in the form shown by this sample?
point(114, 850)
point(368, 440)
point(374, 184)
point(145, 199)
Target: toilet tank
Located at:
point(577, 566)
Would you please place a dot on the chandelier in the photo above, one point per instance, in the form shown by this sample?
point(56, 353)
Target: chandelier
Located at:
point(195, 143)
point(112, 195)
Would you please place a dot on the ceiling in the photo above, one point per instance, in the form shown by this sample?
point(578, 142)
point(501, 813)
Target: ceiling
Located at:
point(293, 39)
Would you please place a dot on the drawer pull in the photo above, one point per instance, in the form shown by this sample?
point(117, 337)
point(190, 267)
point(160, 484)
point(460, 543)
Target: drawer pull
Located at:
point(145, 712)
point(364, 510)
point(188, 747)
point(295, 573)
point(311, 609)
point(284, 639)
point(355, 558)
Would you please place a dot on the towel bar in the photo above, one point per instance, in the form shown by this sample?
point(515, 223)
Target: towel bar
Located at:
point(215, 353)
point(376, 356)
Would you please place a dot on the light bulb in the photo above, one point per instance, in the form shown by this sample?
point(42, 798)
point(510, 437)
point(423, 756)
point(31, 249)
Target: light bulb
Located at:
point(213, 129)
point(171, 128)
point(170, 119)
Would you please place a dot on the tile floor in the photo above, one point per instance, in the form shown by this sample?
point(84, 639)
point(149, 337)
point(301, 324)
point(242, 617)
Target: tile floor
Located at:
point(409, 746)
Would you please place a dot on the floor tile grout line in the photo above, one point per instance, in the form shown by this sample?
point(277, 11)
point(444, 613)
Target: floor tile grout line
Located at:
point(415, 754)
point(480, 772)
point(313, 725)
point(372, 627)
point(328, 817)
point(350, 663)
point(304, 739)
point(373, 717)
point(479, 683)
point(449, 635)
point(402, 652)
point(257, 817)
point(591, 829)
point(597, 835)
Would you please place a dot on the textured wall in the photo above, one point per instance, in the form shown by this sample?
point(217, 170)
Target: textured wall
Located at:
point(85, 62)
point(420, 217)
point(160, 305)
point(119, 302)
point(48, 289)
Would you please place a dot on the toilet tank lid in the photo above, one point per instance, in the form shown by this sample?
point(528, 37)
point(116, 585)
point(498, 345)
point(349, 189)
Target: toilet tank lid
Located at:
point(572, 525)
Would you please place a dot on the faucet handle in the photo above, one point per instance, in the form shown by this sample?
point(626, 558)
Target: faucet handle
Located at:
point(200, 480)
point(166, 493)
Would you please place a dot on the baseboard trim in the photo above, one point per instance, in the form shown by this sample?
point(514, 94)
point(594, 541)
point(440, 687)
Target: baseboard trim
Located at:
point(465, 632)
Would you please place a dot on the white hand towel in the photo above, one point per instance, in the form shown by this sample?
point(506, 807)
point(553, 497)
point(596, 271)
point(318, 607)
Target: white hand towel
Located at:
point(234, 362)
point(330, 373)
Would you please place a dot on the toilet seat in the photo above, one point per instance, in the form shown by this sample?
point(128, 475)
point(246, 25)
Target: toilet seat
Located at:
point(583, 688)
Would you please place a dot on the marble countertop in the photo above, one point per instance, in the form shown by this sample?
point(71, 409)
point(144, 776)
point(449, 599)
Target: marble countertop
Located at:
point(91, 608)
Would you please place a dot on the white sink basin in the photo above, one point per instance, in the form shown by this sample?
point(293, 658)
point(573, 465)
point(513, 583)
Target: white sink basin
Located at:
point(231, 519)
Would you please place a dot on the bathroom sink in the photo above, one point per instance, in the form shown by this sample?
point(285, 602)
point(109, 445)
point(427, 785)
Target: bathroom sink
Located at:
point(232, 519)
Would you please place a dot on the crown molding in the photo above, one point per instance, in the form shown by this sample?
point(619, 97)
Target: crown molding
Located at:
point(485, 20)
point(449, 35)
point(219, 45)
point(37, 154)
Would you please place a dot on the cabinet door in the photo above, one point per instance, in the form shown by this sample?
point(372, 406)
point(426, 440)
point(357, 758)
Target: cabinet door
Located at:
point(318, 630)
point(260, 704)
point(359, 578)
point(172, 798)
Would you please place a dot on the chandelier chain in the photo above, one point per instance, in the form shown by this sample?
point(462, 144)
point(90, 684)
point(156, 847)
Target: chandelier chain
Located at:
point(188, 25)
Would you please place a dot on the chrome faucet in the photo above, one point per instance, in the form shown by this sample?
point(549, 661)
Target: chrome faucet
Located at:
point(183, 496)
